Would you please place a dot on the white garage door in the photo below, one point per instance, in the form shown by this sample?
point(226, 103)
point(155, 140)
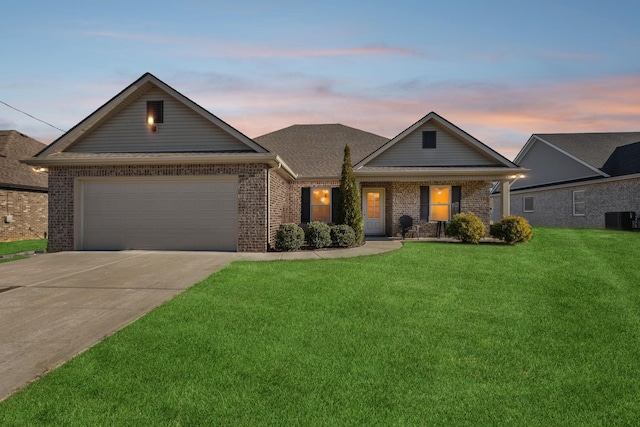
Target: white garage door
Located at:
point(159, 213)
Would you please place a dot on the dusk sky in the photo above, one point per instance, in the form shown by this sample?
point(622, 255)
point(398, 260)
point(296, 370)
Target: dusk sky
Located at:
point(500, 70)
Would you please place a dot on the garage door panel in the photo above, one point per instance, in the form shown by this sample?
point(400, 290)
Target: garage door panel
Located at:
point(164, 214)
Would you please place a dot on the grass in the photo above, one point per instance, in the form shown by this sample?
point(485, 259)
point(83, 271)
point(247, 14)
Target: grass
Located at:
point(7, 248)
point(544, 333)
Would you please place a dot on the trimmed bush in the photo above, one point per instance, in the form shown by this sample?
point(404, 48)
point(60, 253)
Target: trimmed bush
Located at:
point(343, 236)
point(289, 237)
point(466, 227)
point(512, 229)
point(318, 234)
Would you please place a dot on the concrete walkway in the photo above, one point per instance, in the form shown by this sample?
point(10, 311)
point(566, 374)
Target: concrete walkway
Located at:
point(54, 306)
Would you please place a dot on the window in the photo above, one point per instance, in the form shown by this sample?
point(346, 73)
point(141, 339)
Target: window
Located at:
point(373, 205)
point(440, 209)
point(321, 204)
point(448, 196)
point(527, 202)
point(579, 203)
point(429, 139)
point(155, 112)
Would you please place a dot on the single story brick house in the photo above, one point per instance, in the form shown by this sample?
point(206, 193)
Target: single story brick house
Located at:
point(23, 189)
point(576, 179)
point(151, 169)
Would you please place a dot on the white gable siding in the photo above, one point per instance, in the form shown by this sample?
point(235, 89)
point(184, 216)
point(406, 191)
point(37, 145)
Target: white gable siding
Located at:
point(547, 165)
point(449, 151)
point(183, 130)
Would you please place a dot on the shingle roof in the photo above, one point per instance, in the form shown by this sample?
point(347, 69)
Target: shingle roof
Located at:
point(318, 150)
point(14, 147)
point(594, 149)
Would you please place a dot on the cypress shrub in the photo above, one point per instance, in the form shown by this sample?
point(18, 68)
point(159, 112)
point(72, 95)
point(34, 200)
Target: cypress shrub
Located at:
point(349, 210)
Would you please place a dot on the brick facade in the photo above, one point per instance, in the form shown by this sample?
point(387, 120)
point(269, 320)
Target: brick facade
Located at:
point(252, 198)
point(294, 208)
point(278, 204)
point(553, 207)
point(405, 200)
point(29, 211)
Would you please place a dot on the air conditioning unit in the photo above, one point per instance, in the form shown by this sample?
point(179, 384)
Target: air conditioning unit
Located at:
point(8, 219)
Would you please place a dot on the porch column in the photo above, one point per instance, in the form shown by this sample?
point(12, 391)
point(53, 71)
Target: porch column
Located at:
point(505, 198)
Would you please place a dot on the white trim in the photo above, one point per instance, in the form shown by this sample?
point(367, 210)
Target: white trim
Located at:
point(451, 128)
point(365, 203)
point(535, 138)
point(584, 202)
point(431, 204)
point(138, 87)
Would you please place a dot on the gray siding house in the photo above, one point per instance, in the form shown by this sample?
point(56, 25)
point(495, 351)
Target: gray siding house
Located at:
point(151, 169)
point(575, 179)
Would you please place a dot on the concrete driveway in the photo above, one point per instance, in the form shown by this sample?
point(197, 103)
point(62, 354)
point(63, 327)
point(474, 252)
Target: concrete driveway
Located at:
point(54, 306)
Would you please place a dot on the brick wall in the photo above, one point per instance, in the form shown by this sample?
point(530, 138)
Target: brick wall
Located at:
point(252, 198)
point(29, 210)
point(294, 206)
point(278, 204)
point(405, 200)
point(553, 207)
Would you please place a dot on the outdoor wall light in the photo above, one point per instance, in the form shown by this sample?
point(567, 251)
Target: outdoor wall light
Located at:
point(152, 124)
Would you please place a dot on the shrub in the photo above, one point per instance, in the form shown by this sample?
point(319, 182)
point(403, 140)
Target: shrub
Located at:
point(289, 237)
point(466, 227)
point(318, 234)
point(343, 236)
point(512, 229)
point(349, 203)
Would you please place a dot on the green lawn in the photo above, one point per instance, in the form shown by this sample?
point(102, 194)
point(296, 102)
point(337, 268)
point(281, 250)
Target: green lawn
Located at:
point(545, 333)
point(22, 246)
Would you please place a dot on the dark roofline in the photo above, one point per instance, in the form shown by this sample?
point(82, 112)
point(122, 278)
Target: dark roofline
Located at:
point(8, 186)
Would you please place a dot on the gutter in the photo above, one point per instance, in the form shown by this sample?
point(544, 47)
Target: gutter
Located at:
point(110, 159)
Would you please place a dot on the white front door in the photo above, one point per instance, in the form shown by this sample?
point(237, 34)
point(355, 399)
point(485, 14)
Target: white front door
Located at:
point(373, 211)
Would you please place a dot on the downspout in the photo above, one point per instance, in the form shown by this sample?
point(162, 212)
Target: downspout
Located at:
point(268, 231)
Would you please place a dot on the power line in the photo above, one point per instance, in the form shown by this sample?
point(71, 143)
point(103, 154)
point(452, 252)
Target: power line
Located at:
point(27, 114)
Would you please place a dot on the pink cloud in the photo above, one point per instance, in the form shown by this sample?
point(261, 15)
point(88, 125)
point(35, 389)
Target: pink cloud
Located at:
point(502, 116)
point(209, 47)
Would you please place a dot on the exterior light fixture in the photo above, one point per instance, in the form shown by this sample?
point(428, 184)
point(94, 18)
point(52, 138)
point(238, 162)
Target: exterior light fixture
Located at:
point(152, 124)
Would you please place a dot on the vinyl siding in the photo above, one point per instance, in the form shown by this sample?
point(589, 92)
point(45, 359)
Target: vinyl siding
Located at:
point(547, 165)
point(449, 151)
point(183, 130)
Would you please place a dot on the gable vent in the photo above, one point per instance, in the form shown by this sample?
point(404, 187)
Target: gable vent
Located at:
point(429, 139)
point(155, 112)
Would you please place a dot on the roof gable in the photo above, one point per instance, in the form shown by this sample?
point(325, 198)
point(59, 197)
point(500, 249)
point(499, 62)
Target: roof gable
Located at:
point(454, 148)
point(120, 126)
point(561, 158)
point(548, 164)
point(593, 149)
point(14, 147)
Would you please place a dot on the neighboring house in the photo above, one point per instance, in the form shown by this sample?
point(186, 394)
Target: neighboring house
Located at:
point(151, 169)
point(23, 190)
point(576, 178)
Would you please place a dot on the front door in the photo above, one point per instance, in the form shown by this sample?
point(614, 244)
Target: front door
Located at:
point(373, 211)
